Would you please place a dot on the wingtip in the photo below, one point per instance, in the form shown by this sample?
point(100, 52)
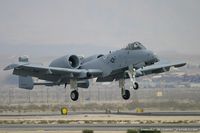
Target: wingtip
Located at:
point(11, 66)
point(181, 64)
point(184, 63)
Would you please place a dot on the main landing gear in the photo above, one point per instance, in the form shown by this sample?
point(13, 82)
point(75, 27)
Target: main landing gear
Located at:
point(74, 94)
point(124, 92)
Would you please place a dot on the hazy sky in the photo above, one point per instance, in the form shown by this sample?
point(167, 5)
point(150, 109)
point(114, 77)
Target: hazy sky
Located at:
point(97, 25)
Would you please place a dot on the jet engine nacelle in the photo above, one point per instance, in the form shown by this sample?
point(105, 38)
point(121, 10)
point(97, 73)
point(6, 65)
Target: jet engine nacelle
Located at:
point(68, 61)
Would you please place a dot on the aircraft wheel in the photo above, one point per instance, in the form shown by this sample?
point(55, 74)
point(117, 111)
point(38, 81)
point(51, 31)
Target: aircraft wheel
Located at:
point(64, 111)
point(74, 95)
point(136, 86)
point(126, 96)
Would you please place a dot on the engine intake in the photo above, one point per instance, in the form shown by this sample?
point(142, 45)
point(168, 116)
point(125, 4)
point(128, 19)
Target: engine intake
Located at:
point(68, 61)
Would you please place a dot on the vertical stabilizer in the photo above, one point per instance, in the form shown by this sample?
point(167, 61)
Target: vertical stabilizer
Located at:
point(25, 82)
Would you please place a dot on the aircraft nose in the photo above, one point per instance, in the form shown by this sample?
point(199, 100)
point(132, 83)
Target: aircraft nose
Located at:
point(151, 58)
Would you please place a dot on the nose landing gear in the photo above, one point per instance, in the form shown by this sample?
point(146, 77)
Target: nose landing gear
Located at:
point(132, 74)
point(135, 86)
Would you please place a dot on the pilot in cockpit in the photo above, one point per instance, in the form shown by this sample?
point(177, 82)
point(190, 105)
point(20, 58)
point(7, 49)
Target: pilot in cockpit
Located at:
point(134, 46)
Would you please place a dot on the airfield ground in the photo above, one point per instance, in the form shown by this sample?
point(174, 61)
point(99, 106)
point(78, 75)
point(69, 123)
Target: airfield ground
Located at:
point(98, 119)
point(62, 132)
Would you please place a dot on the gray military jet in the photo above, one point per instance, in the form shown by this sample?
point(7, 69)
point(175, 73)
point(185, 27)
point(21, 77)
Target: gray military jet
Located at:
point(130, 62)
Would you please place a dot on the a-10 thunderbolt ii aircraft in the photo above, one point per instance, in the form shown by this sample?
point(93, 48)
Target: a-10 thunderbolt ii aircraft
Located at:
point(130, 62)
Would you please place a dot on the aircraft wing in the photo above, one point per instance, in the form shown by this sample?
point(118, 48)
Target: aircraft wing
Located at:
point(157, 68)
point(35, 70)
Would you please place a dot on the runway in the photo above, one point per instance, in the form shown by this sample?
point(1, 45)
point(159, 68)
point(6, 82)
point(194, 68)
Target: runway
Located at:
point(101, 121)
point(99, 127)
point(162, 113)
point(180, 113)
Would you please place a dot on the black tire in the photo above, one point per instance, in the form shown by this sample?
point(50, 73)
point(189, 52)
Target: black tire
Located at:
point(136, 86)
point(74, 95)
point(126, 96)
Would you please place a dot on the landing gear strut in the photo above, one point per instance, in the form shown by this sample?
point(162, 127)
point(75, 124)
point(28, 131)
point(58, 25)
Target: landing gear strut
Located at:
point(74, 94)
point(132, 73)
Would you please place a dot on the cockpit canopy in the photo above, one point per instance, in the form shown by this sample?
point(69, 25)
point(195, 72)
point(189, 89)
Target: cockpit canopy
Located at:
point(134, 46)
